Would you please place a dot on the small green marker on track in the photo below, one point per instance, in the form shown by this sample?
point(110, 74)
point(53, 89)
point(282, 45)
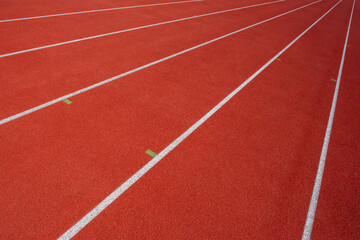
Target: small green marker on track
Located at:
point(67, 101)
point(334, 80)
point(151, 153)
point(278, 59)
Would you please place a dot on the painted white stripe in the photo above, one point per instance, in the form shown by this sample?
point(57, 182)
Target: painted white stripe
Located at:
point(5, 120)
point(317, 185)
point(132, 29)
point(126, 185)
point(98, 10)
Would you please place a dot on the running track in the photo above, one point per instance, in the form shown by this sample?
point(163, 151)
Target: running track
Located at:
point(247, 172)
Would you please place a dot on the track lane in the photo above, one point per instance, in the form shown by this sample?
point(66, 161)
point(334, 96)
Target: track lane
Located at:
point(102, 27)
point(54, 30)
point(57, 139)
point(26, 83)
point(96, 11)
point(26, 8)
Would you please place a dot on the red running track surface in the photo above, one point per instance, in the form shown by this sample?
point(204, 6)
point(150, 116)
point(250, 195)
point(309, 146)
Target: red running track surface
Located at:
point(246, 173)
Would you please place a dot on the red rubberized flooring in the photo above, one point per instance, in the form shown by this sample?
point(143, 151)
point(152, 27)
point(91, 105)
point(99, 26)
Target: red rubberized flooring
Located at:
point(246, 173)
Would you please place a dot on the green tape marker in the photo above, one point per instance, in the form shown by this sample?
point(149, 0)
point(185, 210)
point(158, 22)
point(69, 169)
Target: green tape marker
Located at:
point(278, 59)
point(334, 80)
point(67, 101)
point(151, 153)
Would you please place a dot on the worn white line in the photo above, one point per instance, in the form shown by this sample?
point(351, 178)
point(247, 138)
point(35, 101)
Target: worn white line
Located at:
point(317, 185)
point(131, 29)
point(126, 185)
point(97, 10)
point(5, 120)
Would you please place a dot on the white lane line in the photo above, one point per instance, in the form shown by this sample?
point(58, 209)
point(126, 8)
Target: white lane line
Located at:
point(317, 185)
point(126, 185)
point(132, 29)
point(5, 120)
point(98, 10)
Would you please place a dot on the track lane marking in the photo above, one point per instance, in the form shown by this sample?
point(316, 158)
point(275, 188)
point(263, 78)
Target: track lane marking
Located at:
point(151, 153)
point(67, 101)
point(133, 29)
point(98, 10)
point(8, 119)
point(317, 185)
point(126, 185)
